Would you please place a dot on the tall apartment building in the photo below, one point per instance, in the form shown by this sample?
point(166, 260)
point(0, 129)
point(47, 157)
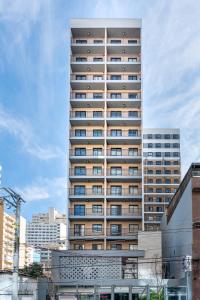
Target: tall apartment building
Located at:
point(105, 176)
point(162, 172)
point(47, 231)
point(7, 238)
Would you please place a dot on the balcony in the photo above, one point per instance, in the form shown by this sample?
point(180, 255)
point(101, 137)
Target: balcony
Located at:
point(87, 63)
point(123, 234)
point(121, 82)
point(86, 155)
point(124, 193)
point(124, 118)
point(85, 82)
point(85, 100)
point(88, 46)
point(123, 64)
point(85, 214)
point(86, 137)
point(85, 233)
point(125, 99)
point(124, 137)
point(124, 155)
point(78, 118)
point(86, 193)
point(85, 175)
point(124, 213)
point(118, 175)
point(124, 45)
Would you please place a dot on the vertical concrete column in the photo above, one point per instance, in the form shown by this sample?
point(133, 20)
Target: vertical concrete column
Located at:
point(112, 292)
point(148, 292)
point(130, 293)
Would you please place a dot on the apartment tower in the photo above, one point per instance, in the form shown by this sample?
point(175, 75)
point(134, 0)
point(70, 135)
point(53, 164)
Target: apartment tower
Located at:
point(162, 172)
point(105, 161)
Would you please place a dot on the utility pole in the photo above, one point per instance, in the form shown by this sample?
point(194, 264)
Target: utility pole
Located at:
point(13, 199)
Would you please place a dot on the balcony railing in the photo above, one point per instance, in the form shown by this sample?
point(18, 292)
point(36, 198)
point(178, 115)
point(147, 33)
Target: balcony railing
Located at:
point(123, 172)
point(89, 232)
point(124, 114)
point(86, 192)
point(100, 41)
point(124, 212)
point(124, 133)
point(128, 96)
point(124, 152)
point(86, 115)
point(86, 172)
point(86, 212)
point(87, 77)
point(124, 192)
point(83, 59)
point(112, 212)
point(85, 232)
point(87, 153)
point(88, 133)
point(120, 59)
point(85, 96)
point(133, 77)
point(122, 232)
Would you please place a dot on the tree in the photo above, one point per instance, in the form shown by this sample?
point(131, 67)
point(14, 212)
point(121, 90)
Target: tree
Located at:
point(34, 270)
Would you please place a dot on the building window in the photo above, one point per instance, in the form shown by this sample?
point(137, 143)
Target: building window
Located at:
point(115, 41)
point(167, 154)
point(132, 132)
point(80, 151)
point(115, 114)
point(97, 77)
point(97, 170)
point(133, 190)
point(133, 228)
point(79, 210)
point(116, 247)
point(115, 59)
point(132, 171)
point(97, 151)
point(133, 209)
point(80, 132)
point(167, 145)
point(115, 95)
point(97, 189)
point(167, 136)
point(150, 153)
point(132, 41)
point(80, 171)
point(79, 247)
point(96, 228)
point(97, 209)
point(116, 190)
point(79, 190)
point(97, 133)
point(98, 41)
point(80, 95)
point(97, 114)
point(97, 95)
point(132, 59)
point(115, 77)
point(79, 229)
point(158, 145)
point(116, 171)
point(96, 246)
point(116, 152)
point(81, 41)
point(132, 96)
point(132, 77)
point(175, 136)
point(116, 132)
point(133, 247)
point(150, 145)
point(81, 77)
point(115, 210)
point(158, 136)
point(133, 152)
point(158, 172)
point(81, 58)
point(115, 229)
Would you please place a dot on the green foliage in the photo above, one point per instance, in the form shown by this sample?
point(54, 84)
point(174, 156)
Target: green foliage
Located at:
point(153, 296)
point(34, 270)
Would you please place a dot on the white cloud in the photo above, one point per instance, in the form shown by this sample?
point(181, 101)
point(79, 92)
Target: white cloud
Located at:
point(21, 129)
point(44, 189)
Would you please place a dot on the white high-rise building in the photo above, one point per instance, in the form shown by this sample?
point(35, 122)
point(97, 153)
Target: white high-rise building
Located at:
point(47, 231)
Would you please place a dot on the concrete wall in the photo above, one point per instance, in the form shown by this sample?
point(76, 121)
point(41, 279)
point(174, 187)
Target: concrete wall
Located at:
point(151, 266)
point(177, 234)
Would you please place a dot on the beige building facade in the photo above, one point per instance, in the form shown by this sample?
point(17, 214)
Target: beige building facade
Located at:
point(105, 140)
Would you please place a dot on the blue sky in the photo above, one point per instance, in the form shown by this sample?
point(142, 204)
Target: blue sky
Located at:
point(34, 39)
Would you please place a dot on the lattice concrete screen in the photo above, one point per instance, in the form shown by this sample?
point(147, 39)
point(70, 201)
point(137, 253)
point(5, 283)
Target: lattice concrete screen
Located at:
point(87, 268)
